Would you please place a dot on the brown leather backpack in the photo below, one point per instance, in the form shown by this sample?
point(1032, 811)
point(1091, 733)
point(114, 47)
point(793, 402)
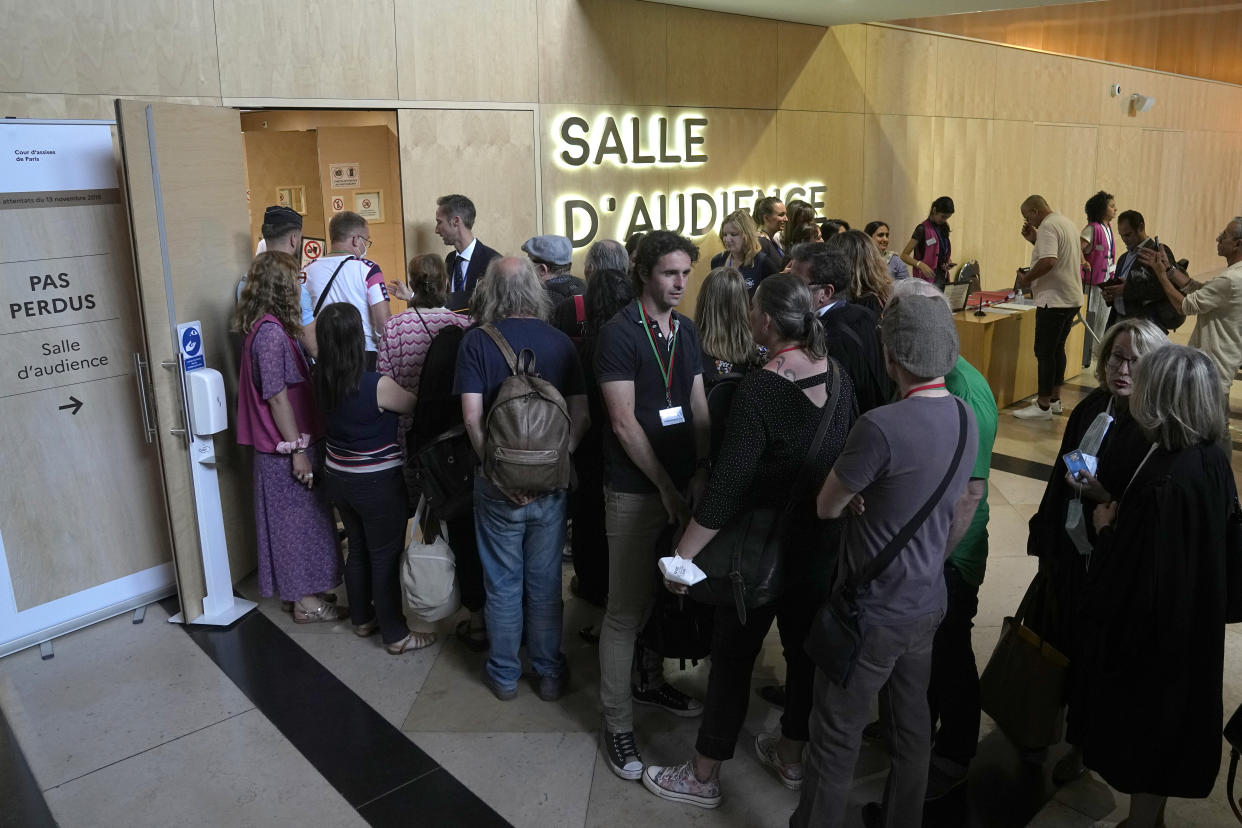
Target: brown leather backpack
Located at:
point(526, 432)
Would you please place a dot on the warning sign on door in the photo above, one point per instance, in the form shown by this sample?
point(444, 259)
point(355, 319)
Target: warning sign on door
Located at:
point(338, 204)
point(343, 176)
point(311, 249)
point(370, 205)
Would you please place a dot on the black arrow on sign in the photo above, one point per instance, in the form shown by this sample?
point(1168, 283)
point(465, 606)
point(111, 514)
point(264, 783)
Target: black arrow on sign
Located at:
point(73, 403)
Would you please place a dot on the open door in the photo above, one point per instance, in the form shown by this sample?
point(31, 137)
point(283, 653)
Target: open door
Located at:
point(186, 188)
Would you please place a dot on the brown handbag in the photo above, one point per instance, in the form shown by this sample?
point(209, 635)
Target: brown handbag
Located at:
point(1023, 686)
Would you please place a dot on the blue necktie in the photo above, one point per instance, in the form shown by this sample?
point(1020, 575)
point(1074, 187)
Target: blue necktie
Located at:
point(459, 280)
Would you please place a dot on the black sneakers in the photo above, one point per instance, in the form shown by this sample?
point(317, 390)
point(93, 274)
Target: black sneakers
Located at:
point(669, 698)
point(622, 753)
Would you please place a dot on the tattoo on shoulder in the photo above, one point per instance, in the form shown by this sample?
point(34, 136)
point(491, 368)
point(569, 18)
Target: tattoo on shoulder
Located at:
point(788, 374)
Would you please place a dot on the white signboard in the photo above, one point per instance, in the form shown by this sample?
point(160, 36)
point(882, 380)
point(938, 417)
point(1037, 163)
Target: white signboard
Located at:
point(343, 176)
point(370, 205)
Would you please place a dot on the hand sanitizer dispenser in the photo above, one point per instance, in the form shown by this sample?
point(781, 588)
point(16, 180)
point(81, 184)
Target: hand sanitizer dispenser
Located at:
point(208, 411)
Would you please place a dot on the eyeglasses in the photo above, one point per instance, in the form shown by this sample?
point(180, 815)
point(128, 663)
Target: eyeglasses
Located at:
point(367, 241)
point(1116, 360)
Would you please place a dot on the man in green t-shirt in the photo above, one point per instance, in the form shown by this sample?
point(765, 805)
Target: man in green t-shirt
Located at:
point(953, 692)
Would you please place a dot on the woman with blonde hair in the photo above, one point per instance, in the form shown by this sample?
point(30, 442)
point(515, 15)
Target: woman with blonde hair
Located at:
point(1155, 604)
point(871, 286)
point(1101, 425)
point(742, 251)
point(277, 416)
point(722, 316)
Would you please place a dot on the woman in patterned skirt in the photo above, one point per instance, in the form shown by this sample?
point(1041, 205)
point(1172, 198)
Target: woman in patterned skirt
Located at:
point(277, 416)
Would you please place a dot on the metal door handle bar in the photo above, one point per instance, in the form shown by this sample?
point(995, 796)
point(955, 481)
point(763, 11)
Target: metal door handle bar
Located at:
point(140, 365)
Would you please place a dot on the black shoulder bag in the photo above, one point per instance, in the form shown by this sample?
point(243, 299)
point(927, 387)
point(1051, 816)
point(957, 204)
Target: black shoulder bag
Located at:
point(836, 635)
point(444, 465)
point(745, 561)
point(323, 297)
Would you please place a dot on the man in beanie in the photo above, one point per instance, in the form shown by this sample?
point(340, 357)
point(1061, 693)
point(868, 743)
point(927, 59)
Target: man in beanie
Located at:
point(552, 257)
point(892, 467)
point(282, 233)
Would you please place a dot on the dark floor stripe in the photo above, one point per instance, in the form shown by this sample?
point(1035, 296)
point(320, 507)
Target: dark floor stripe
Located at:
point(372, 764)
point(1021, 466)
point(21, 799)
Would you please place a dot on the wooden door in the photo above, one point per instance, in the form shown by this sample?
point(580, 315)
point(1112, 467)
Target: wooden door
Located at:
point(186, 186)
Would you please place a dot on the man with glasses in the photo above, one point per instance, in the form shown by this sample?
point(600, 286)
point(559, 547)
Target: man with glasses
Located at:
point(1217, 302)
point(346, 275)
point(853, 335)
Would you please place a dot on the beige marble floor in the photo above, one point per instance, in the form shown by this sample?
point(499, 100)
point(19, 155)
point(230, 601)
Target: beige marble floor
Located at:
point(123, 712)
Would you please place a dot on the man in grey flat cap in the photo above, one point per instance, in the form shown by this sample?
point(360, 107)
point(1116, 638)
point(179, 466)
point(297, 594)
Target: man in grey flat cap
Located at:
point(553, 257)
point(903, 475)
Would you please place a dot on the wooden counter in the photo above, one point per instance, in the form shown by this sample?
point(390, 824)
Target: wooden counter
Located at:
point(1001, 345)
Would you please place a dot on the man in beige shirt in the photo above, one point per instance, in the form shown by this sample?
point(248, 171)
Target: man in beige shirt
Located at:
point(1055, 280)
point(1217, 301)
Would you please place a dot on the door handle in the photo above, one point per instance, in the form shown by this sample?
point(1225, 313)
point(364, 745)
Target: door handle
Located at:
point(175, 365)
point(144, 403)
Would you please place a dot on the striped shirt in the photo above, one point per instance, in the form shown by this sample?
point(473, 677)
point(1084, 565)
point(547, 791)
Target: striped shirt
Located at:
point(362, 437)
point(403, 349)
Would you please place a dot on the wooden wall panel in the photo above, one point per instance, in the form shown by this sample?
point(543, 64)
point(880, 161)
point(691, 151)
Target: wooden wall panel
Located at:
point(1008, 173)
point(822, 69)
point(898, 185)
point(825, 146)
point(1153, 33)
point(136, 47)
point(966, 79)
point(1211, 169)
point(1142, 168)
point(1039, 87)
point(901, 72)
point(323, 49)
point(725, 68)
point(486, 155)
point(87, 107)
point(469, 50)
point(596, 51)
point(1063, 167)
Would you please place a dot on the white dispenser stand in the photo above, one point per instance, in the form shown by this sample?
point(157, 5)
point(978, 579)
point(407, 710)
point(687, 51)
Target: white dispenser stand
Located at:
point(207, 414)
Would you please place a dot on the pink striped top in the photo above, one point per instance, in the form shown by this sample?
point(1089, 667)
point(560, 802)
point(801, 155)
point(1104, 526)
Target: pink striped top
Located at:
point(403, 349)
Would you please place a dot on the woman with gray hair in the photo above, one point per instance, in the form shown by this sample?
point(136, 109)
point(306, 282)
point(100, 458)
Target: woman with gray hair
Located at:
point(1102, 428)
point(1153, 633)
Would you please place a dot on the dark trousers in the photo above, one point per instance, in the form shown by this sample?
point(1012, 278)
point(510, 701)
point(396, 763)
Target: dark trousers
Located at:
point(589, 544)
point(465, 546)
point(1052, 327)
point(373, 508)
point(735, 646)
point(953, 692)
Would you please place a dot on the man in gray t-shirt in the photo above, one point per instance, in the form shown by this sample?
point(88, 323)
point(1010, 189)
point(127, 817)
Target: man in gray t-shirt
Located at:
point(892, 463)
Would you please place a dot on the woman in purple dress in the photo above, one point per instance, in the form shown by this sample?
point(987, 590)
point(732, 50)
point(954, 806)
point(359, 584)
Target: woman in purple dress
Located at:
point(277, 416)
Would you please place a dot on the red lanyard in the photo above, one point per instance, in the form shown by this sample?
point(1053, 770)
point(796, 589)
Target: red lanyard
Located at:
point(783, 350)
point(918, 388)
point(672, 353)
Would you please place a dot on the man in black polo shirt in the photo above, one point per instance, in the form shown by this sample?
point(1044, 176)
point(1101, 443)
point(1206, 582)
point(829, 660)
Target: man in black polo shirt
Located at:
point(649, 367)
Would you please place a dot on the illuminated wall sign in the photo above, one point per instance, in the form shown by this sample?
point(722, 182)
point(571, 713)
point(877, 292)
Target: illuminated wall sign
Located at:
point(629, 143)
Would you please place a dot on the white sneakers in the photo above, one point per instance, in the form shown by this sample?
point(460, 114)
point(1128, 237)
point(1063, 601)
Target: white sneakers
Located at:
point(1035, 412)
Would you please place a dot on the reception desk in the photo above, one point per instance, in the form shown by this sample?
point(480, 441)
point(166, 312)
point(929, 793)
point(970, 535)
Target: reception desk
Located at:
point(1001, 345)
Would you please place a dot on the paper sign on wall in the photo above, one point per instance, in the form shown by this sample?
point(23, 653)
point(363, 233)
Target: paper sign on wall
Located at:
point(338, 204)
point(343, 176)
point(311, 249)
point(370, 205)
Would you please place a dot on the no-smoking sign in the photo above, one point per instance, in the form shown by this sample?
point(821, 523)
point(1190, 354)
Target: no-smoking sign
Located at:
point(338, 203)
point(311, 249)
point(366, 204)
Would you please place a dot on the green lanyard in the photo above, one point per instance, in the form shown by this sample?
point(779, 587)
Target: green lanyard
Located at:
point(672, 353)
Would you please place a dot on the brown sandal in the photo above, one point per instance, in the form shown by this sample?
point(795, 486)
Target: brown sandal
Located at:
point(413, 641)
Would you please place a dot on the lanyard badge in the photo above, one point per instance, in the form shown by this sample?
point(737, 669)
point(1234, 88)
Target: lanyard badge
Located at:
point(673, 414)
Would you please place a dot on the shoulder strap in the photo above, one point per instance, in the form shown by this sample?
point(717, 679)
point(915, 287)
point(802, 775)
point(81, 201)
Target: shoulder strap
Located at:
point(323, 297)
point(424, 321)
point(830, 405)
point(503, 344)
point(868, 573)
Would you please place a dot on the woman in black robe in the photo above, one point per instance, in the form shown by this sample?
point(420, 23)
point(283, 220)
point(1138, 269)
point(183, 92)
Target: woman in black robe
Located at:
point(1061, 560)
point(1153, 623)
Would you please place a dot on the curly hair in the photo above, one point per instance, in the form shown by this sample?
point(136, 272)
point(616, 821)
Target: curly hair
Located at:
point(654, 246)
point(607, 292)
point(510, 287)
point(271, 287)
point(870, 273)
point(1097, 206)
point(428, 280)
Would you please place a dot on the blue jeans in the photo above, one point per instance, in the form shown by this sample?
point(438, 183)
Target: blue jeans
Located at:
point(520, 548)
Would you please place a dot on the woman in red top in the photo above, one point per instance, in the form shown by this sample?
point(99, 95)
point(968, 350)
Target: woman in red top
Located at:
point(928, 252)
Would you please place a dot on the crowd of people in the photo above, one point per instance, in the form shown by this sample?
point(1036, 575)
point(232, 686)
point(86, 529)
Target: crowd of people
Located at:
point(821, 378)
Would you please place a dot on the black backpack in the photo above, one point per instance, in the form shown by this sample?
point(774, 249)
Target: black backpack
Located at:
point(679, 627)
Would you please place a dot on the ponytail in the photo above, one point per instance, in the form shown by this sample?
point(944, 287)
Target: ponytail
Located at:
point(814, 340)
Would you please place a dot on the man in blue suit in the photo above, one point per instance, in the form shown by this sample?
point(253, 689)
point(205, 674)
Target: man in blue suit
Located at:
point(469, 258)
